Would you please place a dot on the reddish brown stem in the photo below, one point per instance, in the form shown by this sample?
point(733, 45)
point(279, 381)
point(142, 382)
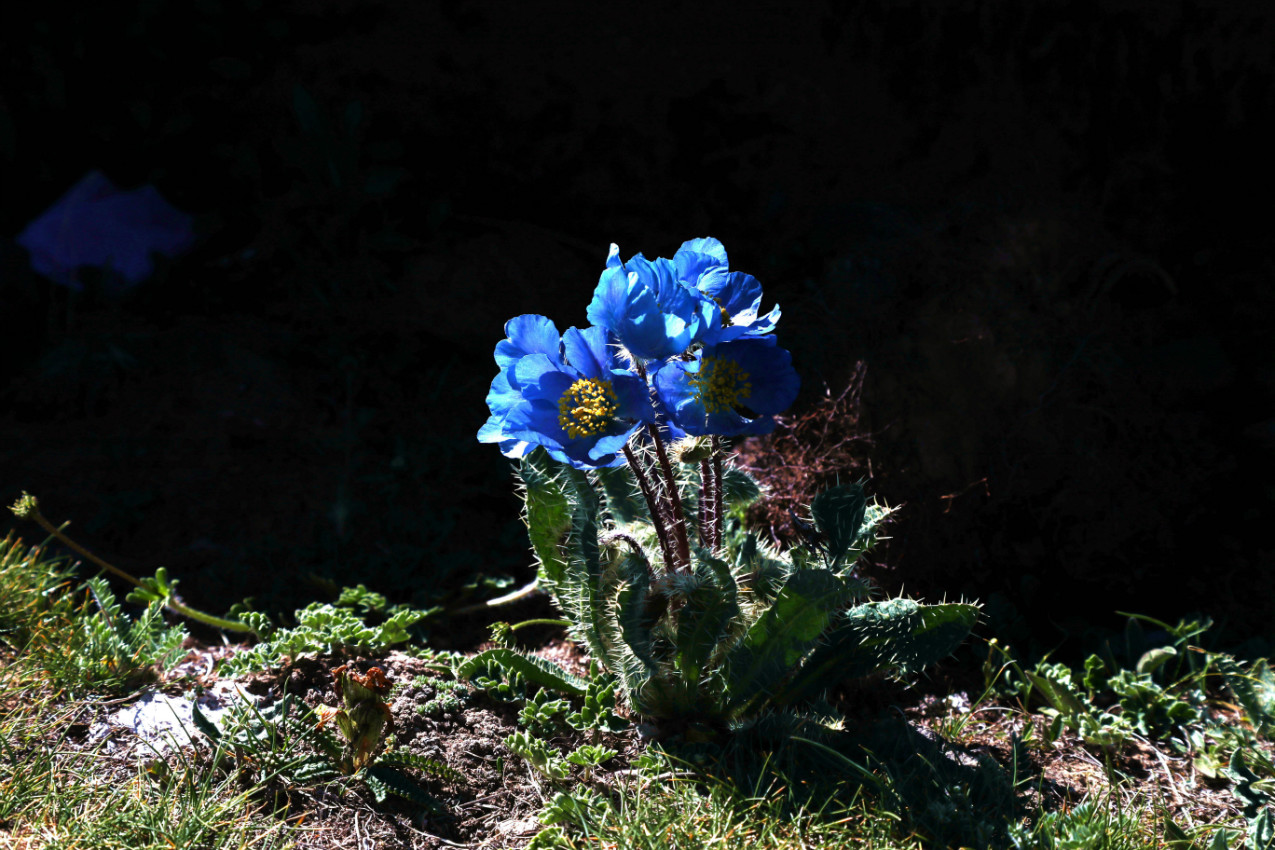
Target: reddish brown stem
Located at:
point(674, 501)
point(653, 506)
point(706, 503)
point(718, 510)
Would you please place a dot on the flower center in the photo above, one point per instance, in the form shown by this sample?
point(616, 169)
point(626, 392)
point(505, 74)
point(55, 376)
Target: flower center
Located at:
point(720, 385)
point(587, 407)
point(726, 317)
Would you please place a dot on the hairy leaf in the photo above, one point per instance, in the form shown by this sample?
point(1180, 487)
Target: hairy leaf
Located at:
point(624, 499)
point(534, 669)
point(897, 634)
point(838, 514)
point(547, 512)
point(782, 636)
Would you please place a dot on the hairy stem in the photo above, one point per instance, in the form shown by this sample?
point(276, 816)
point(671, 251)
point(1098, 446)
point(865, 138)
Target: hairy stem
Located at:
point(674, 500)
point(707, 523)
point(653, 506)
point(718, 510)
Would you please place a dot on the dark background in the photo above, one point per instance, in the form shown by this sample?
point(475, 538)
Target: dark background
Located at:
point(1033, 224)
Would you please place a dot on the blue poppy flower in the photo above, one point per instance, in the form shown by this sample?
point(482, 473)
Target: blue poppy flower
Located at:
point(95, 224)
point(649, 310)
point(581, 405)
point(730, 388)
point(526, 334)
point(703, 266)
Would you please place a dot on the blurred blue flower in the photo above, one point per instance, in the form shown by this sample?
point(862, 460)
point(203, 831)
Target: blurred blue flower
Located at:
point(95, 224)
point(703, 266)
point(644, 303)
point(730, 388)
point(576, 400)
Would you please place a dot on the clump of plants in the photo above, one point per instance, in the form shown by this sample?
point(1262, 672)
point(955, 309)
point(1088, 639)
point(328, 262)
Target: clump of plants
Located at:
point(319, 628)
point(295, 746)
point(80, 634)
point(622, 435)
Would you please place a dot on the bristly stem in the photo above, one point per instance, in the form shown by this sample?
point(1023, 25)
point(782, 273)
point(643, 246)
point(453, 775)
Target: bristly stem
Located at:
point(674, 500)
point(706, 505)
point(653, 506)
point(718, 511)
point(677, 551)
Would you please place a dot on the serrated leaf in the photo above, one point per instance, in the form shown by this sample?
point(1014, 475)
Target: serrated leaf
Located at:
point(398, 784)
point(1253, 689)
point(897, 634)
point(314, 769)
point(378, 788)
point(838, 514)
point(533, 669)
point(421, 763)
point(590, 756)
point(1247, 785)
point(781, 637)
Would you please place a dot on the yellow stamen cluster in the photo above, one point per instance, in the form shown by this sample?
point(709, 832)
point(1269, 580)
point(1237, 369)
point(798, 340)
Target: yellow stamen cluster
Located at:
point(721, 384)
point(726, 317)
point(586, 409)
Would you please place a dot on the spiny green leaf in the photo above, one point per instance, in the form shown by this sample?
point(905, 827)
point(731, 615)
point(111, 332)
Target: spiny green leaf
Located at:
point(897, 634)
point(534, 669)
point(624, 499)
point(779, 639)
point(704, 620)
point(739, 489)
point(630, 653)
point(838, 513)
point(547, 513)
point(396, 783)
point(421, 763)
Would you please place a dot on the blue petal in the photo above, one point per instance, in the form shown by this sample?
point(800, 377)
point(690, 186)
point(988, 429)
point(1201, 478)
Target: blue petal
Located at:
point(738, 293)
point(707, 246)
point(540, 378)
point(587, 351)
point(610, 298)
point(493, 432)
point(633, 397)
point(613, 257)
point(535, 421)
point(528, 334)
point(646, 331)
point(766, 324)
point(608, 448)
point(502, 394)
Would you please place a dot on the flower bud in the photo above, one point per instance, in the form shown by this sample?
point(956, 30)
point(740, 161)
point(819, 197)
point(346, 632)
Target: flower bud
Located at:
point(692, 449)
